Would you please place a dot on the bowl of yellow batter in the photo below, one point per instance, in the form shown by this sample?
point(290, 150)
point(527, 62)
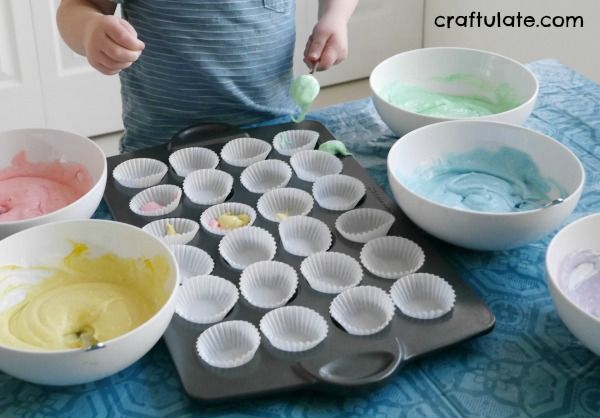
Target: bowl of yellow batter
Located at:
point(484, 185)
point(48, 175)
point(423, 86)
point(79, 302)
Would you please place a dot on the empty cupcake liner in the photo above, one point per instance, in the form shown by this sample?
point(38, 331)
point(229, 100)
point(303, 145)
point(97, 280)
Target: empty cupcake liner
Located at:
point(392, 257)
point(245, 246)
point(310, 165)
point(186, 160)
point(280, 204)
point(294, 328)
point(139, 173)
point(423, 296)
point(364, 224)
point(156, 201)
point(268, 284)
point(266, 175)
point(209, 218)
point(290, 142)
point(242, 152)
point(331, 272)
point(206, 299)
point(207, 186)
point(228, 344)
point(362, 310)
point(192, 261)
point(173, 230)
point(338, 191)
point(303, 235)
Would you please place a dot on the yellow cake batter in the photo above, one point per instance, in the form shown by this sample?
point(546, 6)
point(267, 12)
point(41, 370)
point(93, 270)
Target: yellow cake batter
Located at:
point(84, 299)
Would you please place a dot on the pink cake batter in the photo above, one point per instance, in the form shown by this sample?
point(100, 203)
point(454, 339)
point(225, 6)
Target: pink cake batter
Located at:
point(29, 189)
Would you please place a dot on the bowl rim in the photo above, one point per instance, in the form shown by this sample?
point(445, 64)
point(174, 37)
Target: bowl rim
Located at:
point(100, 183)
point(526, 103)
point(502, 125)
point(552, 280)
point(145, 324)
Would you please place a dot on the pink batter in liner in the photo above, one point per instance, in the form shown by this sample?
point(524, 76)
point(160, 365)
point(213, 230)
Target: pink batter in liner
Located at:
point(29, 189)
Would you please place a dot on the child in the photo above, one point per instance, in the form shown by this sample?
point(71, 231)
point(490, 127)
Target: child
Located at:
point(188, 61)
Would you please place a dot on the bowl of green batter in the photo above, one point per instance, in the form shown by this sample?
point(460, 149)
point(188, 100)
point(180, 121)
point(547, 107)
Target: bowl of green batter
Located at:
point(429, 85)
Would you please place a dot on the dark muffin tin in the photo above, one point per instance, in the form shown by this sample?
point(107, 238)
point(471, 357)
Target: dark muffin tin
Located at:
point(341, 361)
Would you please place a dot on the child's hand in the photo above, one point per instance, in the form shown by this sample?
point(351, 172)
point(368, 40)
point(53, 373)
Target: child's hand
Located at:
point(328, 44)
point(111, 44)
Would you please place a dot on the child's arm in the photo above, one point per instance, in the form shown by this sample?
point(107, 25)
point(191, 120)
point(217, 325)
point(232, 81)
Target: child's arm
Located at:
point(328, 44)
point(89, 28)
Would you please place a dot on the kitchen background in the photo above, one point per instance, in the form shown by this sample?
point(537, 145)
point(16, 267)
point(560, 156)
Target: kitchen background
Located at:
point(44, 84)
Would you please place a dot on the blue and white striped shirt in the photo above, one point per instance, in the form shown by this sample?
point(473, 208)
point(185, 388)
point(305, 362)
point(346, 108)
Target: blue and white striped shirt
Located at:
point(206, 61)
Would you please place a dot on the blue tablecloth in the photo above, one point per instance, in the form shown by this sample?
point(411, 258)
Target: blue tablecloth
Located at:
point(530, 365)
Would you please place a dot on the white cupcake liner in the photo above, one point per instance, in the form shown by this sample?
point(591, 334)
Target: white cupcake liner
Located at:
point(267, 175)
point(245, 246)
point(205, 299)
point(185, 230)
point(186, 160)
point(242, 152)
point(207, 186)
point(228, 344)
point(290, 142)
point(280, 204)
point(364, 224)
point(331, 272)
point(310, 165)
point(268, 284)
point(338, 191)
point(362, 310)
point(166, 195)
point(392, 257)
point(139, 173)
point(303, 235)
point(192, 261)
point(423, 296)
point(294, 328)
point(214, 212)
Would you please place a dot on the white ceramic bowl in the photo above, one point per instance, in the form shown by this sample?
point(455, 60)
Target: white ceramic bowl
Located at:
point(581, 234)
point(421, 67)
point(74, 366)
point(474, 229)
point(49, 145)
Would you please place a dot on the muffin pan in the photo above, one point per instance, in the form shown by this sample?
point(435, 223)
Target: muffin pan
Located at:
point(340, 360)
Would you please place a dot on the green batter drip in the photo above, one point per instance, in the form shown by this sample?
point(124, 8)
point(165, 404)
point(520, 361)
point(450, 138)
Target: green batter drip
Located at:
point(304, 90)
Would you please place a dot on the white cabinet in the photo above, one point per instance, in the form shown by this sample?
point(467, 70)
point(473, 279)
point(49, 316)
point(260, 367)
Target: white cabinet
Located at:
point(574, 46)
point(43, 83)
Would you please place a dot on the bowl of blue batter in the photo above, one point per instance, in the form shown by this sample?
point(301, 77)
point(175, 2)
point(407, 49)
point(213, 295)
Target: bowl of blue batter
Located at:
point(573, 274)
point(484, 185)
point(429, 85)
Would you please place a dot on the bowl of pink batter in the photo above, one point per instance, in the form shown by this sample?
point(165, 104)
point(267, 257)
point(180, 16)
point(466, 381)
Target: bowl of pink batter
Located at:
point(46, 176)
point(573, 274)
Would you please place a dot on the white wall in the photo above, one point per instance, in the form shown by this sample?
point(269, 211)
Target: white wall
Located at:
point(576, 47)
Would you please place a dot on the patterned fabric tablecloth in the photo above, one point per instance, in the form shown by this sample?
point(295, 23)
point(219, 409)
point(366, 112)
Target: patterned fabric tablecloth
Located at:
point(530, 365)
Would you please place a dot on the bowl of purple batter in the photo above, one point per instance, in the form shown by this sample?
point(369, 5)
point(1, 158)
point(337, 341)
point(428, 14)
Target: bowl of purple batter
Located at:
point(48, 175)
point(573, 274)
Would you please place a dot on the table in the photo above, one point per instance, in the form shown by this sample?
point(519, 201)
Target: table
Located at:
point(530, 365)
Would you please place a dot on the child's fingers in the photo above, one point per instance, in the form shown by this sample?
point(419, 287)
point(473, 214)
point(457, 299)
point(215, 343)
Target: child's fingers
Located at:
point(105, 70)
point(112, 64)
point(124, 35)
point(119, 54)
point(315, 46)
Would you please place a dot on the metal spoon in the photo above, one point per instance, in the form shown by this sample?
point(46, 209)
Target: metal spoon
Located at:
point(89, 342)
point(553, 202)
